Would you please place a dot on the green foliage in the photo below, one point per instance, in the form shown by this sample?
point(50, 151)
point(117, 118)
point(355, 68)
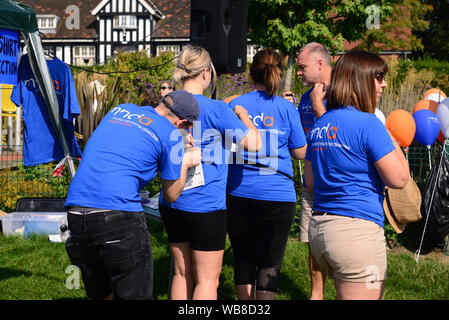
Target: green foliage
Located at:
point(148, 69)
point(289, 24)
point(100, 92)
point(434, 38)
point(30, 181)
point(397, 32)
point(440, 68)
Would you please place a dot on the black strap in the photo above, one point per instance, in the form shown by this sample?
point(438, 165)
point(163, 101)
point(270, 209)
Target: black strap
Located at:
point(259, 165)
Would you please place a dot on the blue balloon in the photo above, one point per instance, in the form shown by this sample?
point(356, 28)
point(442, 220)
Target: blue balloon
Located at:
point(427, 127)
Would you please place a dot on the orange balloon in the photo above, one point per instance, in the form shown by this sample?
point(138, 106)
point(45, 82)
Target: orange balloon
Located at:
point(434, 91)
point(229, 99)
point(426, 104)
point(402, 126)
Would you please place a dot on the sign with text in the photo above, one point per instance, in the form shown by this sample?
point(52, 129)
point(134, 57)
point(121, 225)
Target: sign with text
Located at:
point(9, 52)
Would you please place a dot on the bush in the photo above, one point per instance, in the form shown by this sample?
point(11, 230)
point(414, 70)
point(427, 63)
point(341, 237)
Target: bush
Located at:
point(440, 70)
point(30, 181)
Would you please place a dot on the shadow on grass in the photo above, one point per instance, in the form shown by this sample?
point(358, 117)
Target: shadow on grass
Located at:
point(6, 273)
point(161, 275)
point(411, 239)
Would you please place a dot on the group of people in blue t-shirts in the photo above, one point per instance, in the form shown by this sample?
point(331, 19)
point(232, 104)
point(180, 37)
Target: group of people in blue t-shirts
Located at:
point(237, 159)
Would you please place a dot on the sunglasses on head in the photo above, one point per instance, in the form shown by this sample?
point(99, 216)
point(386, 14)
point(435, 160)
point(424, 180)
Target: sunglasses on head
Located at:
point(380, 76)
point(163, 88)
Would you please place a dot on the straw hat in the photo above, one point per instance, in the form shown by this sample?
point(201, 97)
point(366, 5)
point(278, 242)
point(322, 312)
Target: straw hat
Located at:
point(402, 206)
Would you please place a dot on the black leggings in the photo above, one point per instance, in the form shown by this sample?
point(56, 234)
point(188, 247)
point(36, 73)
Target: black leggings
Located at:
point(258, 231)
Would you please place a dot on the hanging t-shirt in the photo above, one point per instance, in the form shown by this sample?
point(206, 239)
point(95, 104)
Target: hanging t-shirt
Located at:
point(122, 155)
point(343, 146)
point(40, 143)
point(216, 128)
point(280, 128)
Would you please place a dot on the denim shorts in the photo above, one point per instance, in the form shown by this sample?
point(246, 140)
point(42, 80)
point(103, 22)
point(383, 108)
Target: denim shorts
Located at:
point(113, 251)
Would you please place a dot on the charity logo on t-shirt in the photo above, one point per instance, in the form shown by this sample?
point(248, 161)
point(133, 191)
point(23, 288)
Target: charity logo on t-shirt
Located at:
point(40, 142)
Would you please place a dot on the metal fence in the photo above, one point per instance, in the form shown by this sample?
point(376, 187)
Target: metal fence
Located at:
point(19, 181)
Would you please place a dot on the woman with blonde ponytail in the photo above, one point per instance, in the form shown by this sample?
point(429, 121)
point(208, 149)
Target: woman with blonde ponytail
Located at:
point(261, 198)
point(196, 221)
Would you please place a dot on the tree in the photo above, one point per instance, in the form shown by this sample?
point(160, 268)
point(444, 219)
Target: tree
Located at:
point(287, 25)
point(435, 37)
point(397, 32)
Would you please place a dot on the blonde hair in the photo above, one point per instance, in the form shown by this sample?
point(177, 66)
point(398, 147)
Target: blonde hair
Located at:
point(191, 62)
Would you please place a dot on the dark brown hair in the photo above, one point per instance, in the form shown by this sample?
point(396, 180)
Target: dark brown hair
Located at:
point(267, 69)
point(352, 81)
point(149, 96)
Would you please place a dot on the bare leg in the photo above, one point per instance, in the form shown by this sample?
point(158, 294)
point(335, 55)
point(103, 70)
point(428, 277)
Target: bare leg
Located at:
point(317, 279)
point(265, 295)
point(359, 290)
point(182, 283)
point(206, 269)
point(245, 291)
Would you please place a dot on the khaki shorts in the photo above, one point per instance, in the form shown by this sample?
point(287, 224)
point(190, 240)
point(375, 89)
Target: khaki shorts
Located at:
point(348, 249)
point(306, 214)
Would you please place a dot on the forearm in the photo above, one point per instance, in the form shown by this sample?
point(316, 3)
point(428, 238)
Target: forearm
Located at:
point(252, 141)
point(318, 108)
point(172, 189)
point(400, 155)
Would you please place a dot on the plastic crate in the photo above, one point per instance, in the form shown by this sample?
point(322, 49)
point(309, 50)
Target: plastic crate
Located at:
point(28, 223)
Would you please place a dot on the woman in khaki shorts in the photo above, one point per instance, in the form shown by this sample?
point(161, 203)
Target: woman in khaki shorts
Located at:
point(350, 159)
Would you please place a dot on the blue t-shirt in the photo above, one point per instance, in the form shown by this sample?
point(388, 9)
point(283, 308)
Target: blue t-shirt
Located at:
point(40, 143)
point(307, 114)
point(280, 128)
point(216, 127)
point(343, 146)
point(122, 155)
point(305, 110)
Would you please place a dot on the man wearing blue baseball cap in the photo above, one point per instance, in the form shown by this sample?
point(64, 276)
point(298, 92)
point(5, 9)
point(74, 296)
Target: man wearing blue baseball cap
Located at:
point(109, 239)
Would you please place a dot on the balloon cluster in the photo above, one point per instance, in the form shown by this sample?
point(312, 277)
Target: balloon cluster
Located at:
point(428, 122)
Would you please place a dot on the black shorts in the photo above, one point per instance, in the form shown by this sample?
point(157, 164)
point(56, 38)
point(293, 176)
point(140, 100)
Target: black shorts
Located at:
point(113, 251)
point(259, 231)
point(204, 231)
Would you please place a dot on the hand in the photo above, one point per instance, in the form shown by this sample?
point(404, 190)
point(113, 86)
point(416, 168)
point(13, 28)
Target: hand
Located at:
point(188, 140)
point(192, 157)
point(318, 93)
point(317, 99)
point(239, 109)
point(289, 96)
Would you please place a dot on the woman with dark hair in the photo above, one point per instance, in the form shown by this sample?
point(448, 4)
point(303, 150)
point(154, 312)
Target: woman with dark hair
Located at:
point(167, 87)
point(261, 198)
point(350, 159)
point(150, 96)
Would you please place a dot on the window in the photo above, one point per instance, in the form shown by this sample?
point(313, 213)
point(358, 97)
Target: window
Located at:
point(125, 22)
point(251, 50)
point(47, 22)
point(174, 49)
point(84, 55)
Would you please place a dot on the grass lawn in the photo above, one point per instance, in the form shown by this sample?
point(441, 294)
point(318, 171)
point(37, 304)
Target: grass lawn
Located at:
point(34, 269)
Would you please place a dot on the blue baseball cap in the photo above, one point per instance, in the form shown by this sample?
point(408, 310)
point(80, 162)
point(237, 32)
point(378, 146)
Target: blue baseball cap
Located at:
point(183, 104)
